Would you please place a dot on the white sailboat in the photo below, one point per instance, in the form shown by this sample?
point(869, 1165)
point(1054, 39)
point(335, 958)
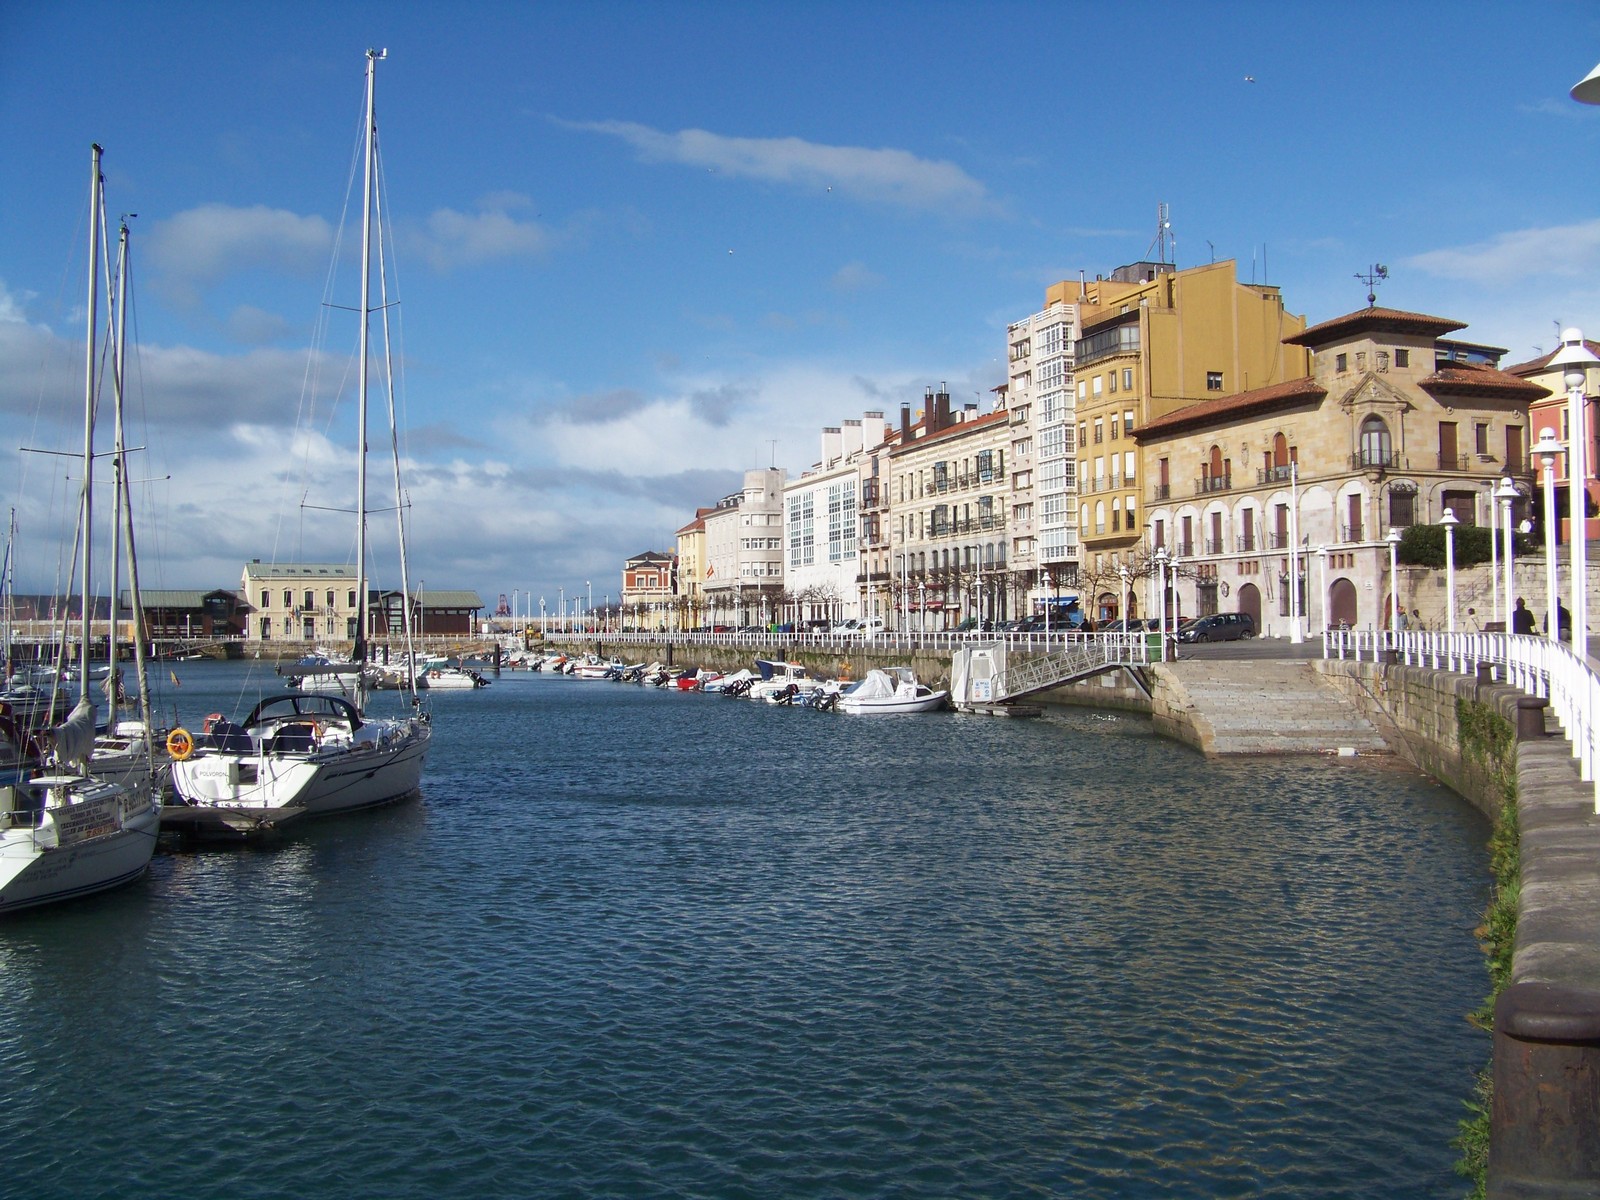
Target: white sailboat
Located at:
point(71, 832)
point(310, 753)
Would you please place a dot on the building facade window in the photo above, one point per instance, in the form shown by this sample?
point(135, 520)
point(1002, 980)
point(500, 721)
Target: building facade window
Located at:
point(1213, 381)
point(1376, 450)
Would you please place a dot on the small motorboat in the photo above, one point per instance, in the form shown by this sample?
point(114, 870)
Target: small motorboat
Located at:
point(891, 690)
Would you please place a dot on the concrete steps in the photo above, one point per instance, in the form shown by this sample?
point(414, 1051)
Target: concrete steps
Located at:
point(1267, 707)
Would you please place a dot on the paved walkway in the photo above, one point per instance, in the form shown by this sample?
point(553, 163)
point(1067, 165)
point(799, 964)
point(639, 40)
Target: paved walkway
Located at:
point(1268, 706)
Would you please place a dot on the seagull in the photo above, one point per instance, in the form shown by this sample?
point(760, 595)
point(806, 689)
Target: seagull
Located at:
point(1249, 78)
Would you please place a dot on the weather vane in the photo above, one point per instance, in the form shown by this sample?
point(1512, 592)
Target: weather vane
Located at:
point(1374, 275)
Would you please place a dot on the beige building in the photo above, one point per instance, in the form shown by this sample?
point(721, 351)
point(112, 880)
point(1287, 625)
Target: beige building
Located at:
point(950, 496)
point(1304, 479)
point(744, 552)
point(305, 602)
point(1153, 339)
point(691, 570)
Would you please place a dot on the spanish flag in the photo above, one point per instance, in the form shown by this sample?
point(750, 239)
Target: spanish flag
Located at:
point(176, 682)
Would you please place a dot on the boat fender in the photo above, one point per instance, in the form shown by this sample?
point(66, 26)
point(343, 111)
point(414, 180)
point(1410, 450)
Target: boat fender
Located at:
point(179, 744)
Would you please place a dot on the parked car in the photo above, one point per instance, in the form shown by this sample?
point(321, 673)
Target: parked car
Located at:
point(845, 628)
point(1131, 625)
point(1218, 627)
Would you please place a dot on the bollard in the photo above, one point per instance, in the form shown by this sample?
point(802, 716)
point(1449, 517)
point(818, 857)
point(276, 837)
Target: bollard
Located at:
point(1530, 717)
point(1486, 672)
point(1544, 1136)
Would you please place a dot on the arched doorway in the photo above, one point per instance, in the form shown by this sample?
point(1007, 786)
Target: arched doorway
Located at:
point(1250, 602)
point(1341, 603)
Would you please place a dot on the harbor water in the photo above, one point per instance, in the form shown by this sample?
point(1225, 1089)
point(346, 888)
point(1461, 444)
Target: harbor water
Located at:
point(638, 943)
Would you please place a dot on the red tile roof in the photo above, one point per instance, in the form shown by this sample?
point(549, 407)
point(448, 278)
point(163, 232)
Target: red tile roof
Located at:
point(1294, 393)
point(1455, 377)
point(1534, 365)
point(1374, 320)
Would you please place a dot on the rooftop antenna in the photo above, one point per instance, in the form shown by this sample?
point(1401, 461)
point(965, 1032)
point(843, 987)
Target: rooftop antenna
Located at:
point(773, 442)
point(1165, 246)
point(1372, 277)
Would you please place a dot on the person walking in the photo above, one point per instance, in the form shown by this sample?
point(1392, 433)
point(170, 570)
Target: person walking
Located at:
point(1522, 618)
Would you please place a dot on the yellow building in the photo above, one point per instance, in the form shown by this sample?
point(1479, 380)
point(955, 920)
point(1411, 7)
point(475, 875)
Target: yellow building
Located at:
point(1153, 339)
point(691, 571)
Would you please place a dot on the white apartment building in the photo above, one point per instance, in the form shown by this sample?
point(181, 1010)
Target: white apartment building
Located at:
point(823, 565)
point(743, 582)
point(1044, 483)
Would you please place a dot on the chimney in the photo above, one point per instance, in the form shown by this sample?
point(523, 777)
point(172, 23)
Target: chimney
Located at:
point(905, 424)
point(831, 446)
point(941, 404)
point(873, 430)
point(851, 439)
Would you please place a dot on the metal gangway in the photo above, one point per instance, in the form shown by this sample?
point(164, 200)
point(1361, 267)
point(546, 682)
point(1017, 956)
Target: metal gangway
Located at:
point(986, 673)
point(1535, 665)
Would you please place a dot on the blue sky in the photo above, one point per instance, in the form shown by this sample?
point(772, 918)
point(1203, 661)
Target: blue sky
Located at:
point(641, 247)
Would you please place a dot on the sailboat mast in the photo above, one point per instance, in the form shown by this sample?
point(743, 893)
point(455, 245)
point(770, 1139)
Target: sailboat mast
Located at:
point(360, 650)
point(118, 466)
point(96, 201)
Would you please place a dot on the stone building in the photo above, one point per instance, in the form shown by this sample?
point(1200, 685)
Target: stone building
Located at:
point(744, 551)
point(1305, 478)
point(1554, 413)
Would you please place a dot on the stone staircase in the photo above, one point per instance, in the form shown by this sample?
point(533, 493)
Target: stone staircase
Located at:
point(1260, 706)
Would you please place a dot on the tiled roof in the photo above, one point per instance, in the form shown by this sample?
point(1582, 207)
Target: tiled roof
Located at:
point(1535, 365)
point(1291, 394)
point(445, 598)
point(1458, 378)
point(1374, 320)
point(261, 570)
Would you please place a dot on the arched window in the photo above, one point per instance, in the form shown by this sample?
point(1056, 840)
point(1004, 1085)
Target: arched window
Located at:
point(1376, 450)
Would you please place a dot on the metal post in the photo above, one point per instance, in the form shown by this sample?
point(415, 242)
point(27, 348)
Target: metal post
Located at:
point(1549, 446)
point(1296, 635)
point(1494, 557)
point(1448, 520)
point(1508, 493)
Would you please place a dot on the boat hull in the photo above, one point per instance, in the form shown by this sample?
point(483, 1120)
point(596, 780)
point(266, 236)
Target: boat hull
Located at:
point(31, 876)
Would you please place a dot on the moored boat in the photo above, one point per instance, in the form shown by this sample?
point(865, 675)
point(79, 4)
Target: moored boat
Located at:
point(890, 690)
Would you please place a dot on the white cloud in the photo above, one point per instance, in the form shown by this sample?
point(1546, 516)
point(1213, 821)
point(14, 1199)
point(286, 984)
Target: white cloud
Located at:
point(1565, 250)
point(854, 277)
point(451, 239)
point(202, 246)
point(883, 176)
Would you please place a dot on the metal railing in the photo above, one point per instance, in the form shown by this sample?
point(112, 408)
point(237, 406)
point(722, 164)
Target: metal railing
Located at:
point(1536, 665)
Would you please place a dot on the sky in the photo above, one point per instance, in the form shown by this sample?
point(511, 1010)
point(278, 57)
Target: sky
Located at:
point(639, 248)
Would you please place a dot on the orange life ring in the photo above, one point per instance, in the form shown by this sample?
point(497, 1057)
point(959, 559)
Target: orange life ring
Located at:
point(179, 744)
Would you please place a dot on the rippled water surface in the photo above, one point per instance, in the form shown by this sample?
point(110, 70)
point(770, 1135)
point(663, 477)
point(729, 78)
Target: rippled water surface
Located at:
point(632, 943)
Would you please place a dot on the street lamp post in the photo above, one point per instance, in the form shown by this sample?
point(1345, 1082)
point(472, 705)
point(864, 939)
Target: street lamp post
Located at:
point(1126, 598)
point(1394, 580)
point(544, 627)
point(1507, 494)
point(1322, 583)
point(588, 608)
point(1048, 582)
point(1549, 446)
point(1448, 520)
point(922, 606)
point(1161, 597)
point(1494, 557)
point(1296, 635)
point(1576, 358)
point(561, 607)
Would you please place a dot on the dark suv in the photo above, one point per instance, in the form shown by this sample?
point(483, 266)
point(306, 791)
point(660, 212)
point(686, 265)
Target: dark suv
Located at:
point(1219, 627)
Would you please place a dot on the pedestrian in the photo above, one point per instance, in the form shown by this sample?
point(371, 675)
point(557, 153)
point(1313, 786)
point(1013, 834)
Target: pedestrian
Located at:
point(1522, 617)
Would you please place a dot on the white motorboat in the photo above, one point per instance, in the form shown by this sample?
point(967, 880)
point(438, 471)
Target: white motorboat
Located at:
point(592, 666)
point(312, 753)
point(891, 690)
point(445, 678)
point(70, 832)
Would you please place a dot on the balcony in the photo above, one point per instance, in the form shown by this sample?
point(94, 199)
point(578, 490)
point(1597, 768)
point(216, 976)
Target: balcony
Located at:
point(1162, 491)
point(1274, 474)
point(1454, 462)
point(1213, 483)
point(1377, 460)
point(1245, 544)
point(1277, 541)
point(1216, 546)
point(1183, 549)
point(1351, 533)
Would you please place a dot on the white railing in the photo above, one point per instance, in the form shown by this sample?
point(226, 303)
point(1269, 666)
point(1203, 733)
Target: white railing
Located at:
point(1535, 665)
point(1131, 645)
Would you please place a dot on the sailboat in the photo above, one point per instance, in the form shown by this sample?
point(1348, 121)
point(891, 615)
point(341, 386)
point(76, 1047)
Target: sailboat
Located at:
point(72, 831)
point(308, 753)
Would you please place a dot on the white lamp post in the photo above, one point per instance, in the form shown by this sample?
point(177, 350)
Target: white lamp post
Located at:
point(1127, 597)
point(1494, 558)
point(1047, 586)
point(1576, 358)
point(1394, 580)
point(1506, 494)
point(588, 608)
point(922, 606)
point(1322, 583)
point(1548, 447)
point(561, 607)
point(1161, 597)
point(1448, 520)
point(1296, 636)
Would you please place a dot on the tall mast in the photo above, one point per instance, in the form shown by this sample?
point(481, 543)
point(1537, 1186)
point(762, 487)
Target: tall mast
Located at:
point(96, 200)
point(118, 463)
point(360, 649)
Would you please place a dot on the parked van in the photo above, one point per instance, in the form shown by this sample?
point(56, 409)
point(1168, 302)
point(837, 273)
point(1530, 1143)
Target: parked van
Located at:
point(871, 627)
